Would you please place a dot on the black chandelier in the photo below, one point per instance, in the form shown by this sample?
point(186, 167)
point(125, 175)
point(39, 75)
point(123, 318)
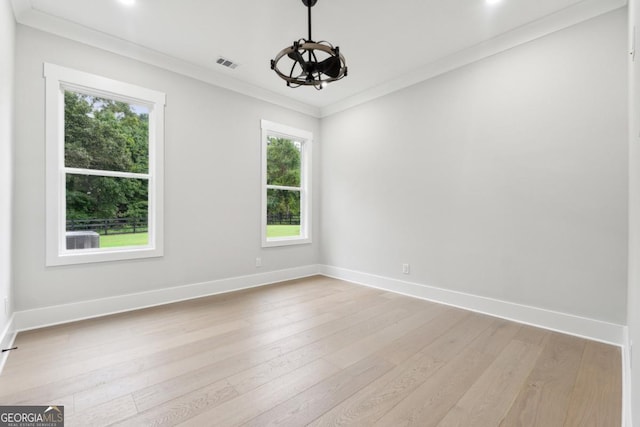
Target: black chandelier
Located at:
point(323, 64)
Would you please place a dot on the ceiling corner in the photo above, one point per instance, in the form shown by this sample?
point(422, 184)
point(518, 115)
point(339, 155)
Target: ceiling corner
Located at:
point(20, 8)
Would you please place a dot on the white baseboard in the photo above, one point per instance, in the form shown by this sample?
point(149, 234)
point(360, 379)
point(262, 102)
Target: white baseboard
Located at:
point(595, 330)
point(6, 340)
point(556, 321)
point(55, 315)
point(566, 323)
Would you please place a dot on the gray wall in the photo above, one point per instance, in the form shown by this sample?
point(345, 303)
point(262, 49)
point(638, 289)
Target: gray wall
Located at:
point(506, 178)
point(7, 46)
point(633, 303)
point(212, 182)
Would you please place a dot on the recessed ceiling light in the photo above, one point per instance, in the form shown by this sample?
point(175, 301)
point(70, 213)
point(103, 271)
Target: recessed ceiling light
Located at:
point(493, 1)
point(127, 2)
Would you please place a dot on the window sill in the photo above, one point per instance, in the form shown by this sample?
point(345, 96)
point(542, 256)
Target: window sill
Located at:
point(85, 256)
point(274, 242)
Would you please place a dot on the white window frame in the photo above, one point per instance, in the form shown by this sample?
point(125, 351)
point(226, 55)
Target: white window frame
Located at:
point(57, 80)
point(270, 129)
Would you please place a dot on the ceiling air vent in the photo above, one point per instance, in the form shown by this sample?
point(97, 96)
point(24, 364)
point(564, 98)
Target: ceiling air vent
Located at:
point(226, 62)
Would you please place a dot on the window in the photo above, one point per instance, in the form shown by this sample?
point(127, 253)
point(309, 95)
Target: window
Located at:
point(286, 184)
point(104, 173)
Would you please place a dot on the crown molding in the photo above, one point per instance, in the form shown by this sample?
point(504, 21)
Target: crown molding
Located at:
point(560, 20)
point(26, 15)
point(20, 8)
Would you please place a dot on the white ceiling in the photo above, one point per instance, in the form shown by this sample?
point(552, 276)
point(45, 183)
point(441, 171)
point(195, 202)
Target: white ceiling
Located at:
point(387, 44)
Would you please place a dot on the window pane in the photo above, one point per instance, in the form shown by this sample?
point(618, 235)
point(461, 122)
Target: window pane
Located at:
point(106, 212)
point(104, 134)
point(283, 162)
point(283, 213)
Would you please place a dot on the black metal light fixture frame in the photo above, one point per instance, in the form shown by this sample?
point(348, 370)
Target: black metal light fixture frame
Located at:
point(311, 71)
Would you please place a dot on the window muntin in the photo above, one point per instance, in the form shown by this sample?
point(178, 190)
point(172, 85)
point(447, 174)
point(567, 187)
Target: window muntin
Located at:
point(104, 168)
point(286, 214)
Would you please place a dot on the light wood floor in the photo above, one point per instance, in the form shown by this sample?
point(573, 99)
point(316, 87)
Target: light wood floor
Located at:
point(316, 351)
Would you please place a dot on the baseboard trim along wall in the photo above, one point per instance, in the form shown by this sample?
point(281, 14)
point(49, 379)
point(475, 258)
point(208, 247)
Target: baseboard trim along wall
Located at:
point(560, 322)
point(6, 340)
point(58, 314)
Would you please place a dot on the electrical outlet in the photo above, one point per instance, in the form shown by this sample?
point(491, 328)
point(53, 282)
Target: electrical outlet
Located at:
point(405, 268)
point(258, 262)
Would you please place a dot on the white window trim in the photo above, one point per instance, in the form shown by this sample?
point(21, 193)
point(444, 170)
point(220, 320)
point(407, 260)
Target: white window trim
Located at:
point(58, 79)
point(306, 137)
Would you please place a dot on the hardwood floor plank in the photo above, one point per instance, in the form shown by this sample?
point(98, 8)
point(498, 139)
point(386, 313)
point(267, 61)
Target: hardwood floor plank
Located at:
point(130, 384)
point(598, 385)
point(103, 415)
point(258, 375)
point(490, 397)
point(219, 308)
point(411, 342)
point(221, 320)
point(90, 330)
point(356, 323)
point(372, 403)
point(544, 399)
point(183, 407)
point(264, 333)
point(533, 335)
point(147, 358)
point(370, 344)
point(429, 403)
point(309, 404)
point(249, 405)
